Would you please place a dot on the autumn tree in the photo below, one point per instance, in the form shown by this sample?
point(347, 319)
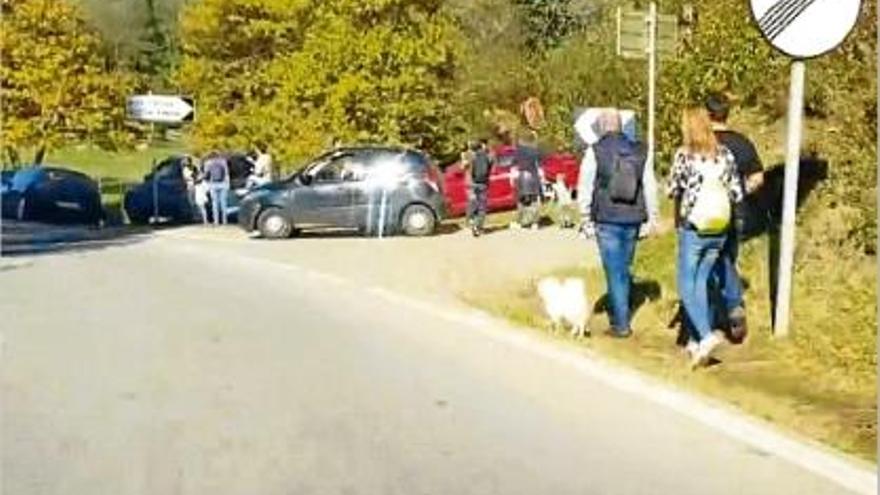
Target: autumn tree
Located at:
point(300, 73)
point(55, 86)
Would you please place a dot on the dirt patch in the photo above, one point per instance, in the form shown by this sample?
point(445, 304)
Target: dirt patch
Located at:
point(441, 267)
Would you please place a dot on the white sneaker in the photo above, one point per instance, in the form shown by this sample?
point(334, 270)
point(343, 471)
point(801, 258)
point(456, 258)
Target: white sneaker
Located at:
point(534, 226)
point(691, 348)
point(704, 351)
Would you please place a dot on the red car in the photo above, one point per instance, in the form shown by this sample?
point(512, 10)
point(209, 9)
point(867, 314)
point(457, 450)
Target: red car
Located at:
point(501, 194)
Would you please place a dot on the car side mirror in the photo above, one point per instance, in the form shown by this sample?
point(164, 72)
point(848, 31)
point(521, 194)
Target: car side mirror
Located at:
point(305, 179)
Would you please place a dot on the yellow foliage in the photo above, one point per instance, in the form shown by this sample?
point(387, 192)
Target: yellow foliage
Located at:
point(55, 87)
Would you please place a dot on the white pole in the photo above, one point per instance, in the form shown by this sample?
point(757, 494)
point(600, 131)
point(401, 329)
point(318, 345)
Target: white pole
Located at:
point(652, 80)
point(382, 211)
point(619, 31)
point(370, 201)
point(792, 168)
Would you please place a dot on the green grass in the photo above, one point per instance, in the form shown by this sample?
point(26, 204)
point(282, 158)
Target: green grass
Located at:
point(127, 166)
point(820, 382)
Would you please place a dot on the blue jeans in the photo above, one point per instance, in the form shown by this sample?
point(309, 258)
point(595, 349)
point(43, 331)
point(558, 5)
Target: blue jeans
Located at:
point(617, 247)
point(726, 274)
point(219, 194)
point(697, 258)
point(477, 201)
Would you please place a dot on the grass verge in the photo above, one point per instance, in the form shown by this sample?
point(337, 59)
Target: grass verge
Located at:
point(820, 382)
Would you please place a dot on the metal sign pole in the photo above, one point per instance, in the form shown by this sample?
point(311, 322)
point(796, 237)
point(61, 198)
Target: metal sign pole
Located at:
point(792, 169)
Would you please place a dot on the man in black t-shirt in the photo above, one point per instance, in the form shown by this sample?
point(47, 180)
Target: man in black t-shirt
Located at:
point(747, 215)
point(479, 164)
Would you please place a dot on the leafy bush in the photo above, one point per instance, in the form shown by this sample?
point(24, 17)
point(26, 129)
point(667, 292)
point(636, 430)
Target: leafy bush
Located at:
point(300, 74)
point(56, 88)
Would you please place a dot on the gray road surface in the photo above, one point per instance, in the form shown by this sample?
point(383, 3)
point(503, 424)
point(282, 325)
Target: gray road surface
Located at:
point(174, 367)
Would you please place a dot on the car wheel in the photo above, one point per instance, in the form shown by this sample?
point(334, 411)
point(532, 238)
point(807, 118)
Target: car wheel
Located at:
point(273, 224)
point(417, 221)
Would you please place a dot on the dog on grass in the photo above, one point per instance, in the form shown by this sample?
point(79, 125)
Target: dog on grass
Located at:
point(565, 302)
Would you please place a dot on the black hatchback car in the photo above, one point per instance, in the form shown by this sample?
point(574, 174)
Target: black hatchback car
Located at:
point(163, 192)
point(51, 194)
point(371, 189)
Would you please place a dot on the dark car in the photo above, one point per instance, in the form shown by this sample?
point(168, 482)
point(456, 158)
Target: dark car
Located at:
point(163, 194)
point(51, 194)
point(370, 189)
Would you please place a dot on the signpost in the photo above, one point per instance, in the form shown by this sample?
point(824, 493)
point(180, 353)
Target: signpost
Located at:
point(801, 29)
point(163, 109)
point(643, 35)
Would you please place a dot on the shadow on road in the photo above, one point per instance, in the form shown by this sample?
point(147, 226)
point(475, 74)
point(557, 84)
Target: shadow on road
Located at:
point(30, 238)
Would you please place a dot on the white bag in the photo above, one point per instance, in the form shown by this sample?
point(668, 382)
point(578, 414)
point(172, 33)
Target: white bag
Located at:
point(711, 212)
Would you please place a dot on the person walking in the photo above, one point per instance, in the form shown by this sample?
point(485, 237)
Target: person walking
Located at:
point(748, 215)
point(479, 165)
point(703, 184)
point(589, 131)
point(617, 211)
point(217, 176)
point(528, 179)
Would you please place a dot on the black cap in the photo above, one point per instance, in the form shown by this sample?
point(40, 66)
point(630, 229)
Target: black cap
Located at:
point(718, 106)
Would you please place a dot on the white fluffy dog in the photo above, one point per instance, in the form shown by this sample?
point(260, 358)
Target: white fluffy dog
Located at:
point(565, 301)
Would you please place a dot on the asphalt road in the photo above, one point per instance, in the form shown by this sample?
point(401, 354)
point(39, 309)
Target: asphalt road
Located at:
point(171, 366)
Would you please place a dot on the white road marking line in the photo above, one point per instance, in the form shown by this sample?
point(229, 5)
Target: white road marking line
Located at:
point(847, 472)
point(808, 455)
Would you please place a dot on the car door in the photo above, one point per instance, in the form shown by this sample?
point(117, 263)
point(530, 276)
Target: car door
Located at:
point(170, 188)
point(324, 198)
point(501, 195)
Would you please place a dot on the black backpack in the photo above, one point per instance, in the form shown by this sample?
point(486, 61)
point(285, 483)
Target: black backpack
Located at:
point(625, 183)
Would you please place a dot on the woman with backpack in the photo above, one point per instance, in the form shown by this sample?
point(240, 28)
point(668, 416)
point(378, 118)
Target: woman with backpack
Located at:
point(703, 184)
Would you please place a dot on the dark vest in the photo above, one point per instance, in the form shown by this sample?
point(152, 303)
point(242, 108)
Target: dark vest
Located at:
point(604, 210)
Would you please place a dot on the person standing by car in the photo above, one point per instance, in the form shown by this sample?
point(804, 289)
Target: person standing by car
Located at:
point(217, 176)
point(747, 216)
point(566, 210)
point(528, 179)
point(262, 171)
point(703, 184)
point(190, 177)
point(617, 212)
point(479, 166)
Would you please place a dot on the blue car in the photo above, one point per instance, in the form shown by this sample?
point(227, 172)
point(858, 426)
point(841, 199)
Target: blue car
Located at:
point(163, 195)
point(51, 194)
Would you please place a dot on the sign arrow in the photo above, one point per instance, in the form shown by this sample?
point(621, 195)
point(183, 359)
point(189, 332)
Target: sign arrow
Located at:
point(170, 109)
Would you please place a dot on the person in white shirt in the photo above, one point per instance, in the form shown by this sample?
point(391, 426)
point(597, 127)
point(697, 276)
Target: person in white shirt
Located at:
point(590, 132)
point(262, 173)
point(566, 209)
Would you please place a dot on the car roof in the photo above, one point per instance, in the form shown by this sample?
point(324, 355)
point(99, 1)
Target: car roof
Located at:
point(379, 148)
point(52, 168)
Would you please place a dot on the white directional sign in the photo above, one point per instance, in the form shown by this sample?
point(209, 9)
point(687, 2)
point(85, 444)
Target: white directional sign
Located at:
point(161, 108)
point(806, 28)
